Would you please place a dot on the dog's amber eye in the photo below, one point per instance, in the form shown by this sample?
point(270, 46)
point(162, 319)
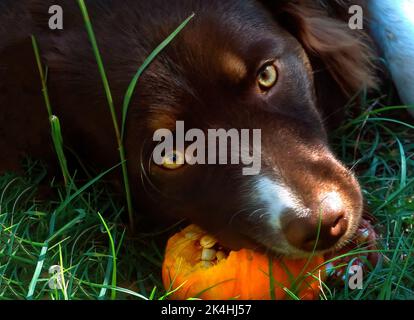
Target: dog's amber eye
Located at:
point(267, 76)
point(173, 160)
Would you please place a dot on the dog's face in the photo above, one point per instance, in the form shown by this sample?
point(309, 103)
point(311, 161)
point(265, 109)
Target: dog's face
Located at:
point(233, 66)
point(236, 65)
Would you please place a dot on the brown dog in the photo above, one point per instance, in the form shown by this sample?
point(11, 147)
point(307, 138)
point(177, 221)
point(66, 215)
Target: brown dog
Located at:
point(285, 67)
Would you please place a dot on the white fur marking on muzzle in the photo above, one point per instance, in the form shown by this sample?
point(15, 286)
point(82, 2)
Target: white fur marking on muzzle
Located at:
point(278, 198)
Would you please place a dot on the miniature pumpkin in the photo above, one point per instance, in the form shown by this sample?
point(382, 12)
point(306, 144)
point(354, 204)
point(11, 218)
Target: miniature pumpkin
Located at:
point(195, 266)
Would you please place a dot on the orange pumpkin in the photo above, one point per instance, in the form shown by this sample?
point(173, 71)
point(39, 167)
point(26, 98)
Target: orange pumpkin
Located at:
point(195, 266)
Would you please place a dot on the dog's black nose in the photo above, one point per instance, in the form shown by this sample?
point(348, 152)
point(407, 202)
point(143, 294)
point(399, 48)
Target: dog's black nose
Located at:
point(316, 231)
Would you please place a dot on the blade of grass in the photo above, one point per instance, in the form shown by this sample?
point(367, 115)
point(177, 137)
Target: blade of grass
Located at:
point(153, 292)
point(403, 158)
point(82, 189)
point(271, 279)
point(41, 260)
point(68, 225)
point(42, 75)
point(104, 289)
point(105, 82)
point(58, 143)
point(62, 276)
point(113, 253)
point(301, 277)
point(54, 121)
point(144, 66)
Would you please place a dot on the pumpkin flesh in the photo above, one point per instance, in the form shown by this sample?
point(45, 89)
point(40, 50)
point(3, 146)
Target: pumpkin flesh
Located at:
point(242, 275)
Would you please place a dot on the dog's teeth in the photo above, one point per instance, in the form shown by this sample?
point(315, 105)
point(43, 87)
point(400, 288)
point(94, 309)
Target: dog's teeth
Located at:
point(192, 235)
point(220, 255)
point(207, 242)
point(205, 264)
point(208, 254)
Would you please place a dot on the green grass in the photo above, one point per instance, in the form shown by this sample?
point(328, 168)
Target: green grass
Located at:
point(36, 235)
point(69, 231)
point(379, 145)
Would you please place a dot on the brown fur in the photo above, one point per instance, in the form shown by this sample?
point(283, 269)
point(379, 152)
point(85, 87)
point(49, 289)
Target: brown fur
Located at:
point(345, 52)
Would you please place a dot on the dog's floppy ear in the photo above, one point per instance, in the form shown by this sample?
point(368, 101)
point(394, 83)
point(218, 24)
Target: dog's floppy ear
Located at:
point(328, 40)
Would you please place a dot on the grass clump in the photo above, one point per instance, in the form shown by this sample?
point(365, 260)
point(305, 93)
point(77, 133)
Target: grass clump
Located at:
point(378, 143)
point(45, 241)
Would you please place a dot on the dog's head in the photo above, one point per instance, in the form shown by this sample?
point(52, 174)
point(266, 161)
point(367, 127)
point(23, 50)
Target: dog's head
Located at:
point(282, 67)
point(241, 65)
